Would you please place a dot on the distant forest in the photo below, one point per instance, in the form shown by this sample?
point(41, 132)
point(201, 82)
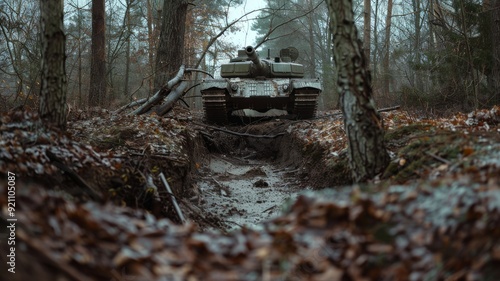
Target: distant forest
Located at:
point(426, 54)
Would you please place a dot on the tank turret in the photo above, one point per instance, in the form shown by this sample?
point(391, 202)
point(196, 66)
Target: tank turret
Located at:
point(261, 67)
point(255, 87)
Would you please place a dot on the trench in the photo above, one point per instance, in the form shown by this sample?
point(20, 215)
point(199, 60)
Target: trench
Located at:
point(244, 180)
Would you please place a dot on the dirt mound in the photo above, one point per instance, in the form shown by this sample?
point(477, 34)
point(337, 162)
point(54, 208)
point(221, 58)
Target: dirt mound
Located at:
point(434, 216)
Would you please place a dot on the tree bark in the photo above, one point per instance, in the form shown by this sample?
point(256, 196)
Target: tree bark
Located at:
point(161, 93)
point(127, 48)
point(98, 57)
point(53, 89)
point(363, 124)
point(386, 74)
point(312, 40)
point(170, 53)
point(151, 41)
point(494, 81)
point(417, 45)
point(367, 30)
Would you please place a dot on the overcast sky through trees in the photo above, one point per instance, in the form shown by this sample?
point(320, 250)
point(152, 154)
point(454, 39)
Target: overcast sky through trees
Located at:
point(246, 36)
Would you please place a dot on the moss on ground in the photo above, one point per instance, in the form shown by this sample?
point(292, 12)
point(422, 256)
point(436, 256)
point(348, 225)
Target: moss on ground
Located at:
point(425, 151)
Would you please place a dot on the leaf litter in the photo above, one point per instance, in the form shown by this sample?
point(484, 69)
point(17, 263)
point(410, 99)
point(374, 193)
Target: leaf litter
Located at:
point(439, 223)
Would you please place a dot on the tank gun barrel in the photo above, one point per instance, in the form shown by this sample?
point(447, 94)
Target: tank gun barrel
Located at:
point(252, 55)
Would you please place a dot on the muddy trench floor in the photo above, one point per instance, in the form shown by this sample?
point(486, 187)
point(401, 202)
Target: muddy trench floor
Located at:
point(242, 181)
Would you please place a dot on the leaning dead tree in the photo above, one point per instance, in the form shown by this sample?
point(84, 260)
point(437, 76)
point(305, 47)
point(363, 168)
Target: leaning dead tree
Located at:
point(166, 97)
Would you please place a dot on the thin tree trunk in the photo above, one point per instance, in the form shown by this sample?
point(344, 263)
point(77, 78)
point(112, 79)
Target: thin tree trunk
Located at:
point(375, 70)
point(80, 67)
point(127, 51)
point(363, 124)
point(430, 21)
point(367, 30)
point(470, 100)
point(170, 54)
point(151, 41)
point(416, 44)
point(98, 57)
point(494, 77)
point(53, 89)
point(386, 74)
point(312, 40)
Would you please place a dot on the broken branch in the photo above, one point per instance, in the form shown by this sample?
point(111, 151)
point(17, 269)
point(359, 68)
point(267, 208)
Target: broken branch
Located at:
point(161, 94)
point(172, 199)
point(74, 176)
point(241, 134)
point(174, 95)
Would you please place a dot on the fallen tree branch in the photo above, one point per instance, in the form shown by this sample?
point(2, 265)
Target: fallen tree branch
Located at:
point(438, 158)
point(386, 109)
point(161, 94)
point(174, 95)
point(169, 91)
point(222, 189)
point(240, 134)
point(172, 199)
point(199, 214)
point(199, 70)
point(396, 107)
point(132, 104)
point(74, 176)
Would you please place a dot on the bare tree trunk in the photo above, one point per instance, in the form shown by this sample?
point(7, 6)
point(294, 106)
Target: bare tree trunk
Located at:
point(367, 30)
point(470, 100)
point(374, 60)
point(98, 57)
point(127, 51)
point(430, 23)
point(494, 77)
point(312, 40)
point(416, 44)
point(80, 67)
point(363, 124)
point(170, 54)
point(386, 74)
point(53, 89)
point(151, 42)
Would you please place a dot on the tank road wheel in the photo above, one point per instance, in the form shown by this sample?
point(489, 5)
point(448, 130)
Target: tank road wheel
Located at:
point(305, 104)
point(214, 105)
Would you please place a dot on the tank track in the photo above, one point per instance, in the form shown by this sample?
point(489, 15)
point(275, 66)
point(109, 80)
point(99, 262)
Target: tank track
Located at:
point(214, 105)
point(305, 104)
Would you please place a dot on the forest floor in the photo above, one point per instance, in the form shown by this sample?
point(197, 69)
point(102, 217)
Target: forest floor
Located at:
point(263, 201)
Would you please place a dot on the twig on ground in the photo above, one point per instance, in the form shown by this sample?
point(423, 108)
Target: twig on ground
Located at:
point(239, 134)
point(74, 176)
point(438, 158)
point(172, 199)
point(199, 214)
point(222, 187)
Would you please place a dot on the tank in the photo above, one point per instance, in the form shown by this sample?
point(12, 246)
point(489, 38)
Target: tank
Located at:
point(253, 87)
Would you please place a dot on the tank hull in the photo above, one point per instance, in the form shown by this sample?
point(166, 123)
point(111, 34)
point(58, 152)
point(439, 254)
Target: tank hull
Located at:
point(223, 98)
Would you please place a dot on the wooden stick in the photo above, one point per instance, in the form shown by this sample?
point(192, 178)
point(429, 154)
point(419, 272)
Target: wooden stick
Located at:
point(340, 114)
point(201, 216)
point(54, 160)
point(389, 108)
point(438, 158)
point(172, 198)
point(241, 134)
